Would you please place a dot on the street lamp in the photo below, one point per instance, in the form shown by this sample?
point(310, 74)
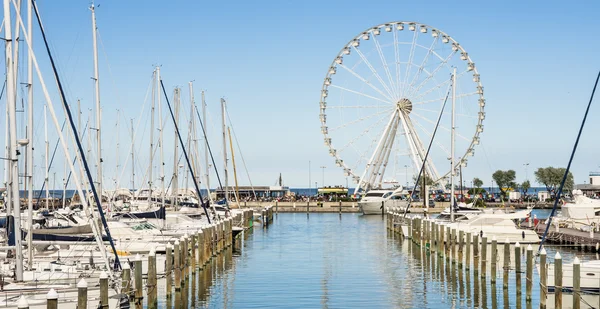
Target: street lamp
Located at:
point(323, 168)
point(406, 174)
point(526, 175)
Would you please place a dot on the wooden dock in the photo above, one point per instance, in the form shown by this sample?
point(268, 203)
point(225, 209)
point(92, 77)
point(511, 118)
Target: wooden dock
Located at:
point(569, 237)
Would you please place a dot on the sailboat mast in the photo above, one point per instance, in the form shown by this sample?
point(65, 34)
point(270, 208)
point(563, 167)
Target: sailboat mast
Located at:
point(160, 142)
point(47, 153)
point(175, 185)
point(30, 143)
point(14, 163)
point(224, 148)
point(98, 111)
point(194, 136)
point(152, 138)
point(206, 154)
point(132, 159)
point(453, 133)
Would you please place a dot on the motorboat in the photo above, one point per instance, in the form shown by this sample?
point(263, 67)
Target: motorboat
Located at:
point(581, 212)
point(376, 202)
point(589, 270)
point(502, 226)
point(461, 212)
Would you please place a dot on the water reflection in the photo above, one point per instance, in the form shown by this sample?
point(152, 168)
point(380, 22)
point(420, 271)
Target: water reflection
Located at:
point(352, 262)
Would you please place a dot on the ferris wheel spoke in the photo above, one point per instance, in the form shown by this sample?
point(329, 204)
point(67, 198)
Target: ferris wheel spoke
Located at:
point(441, 126)
point(397, 58)
point(359, 120)
point(429, 101)
point(385, 66)
point(363, 133)
point(358, 106)
point(410, 57)
point(366, 61)
point(362, 79)
point(430, 90)
point(432, 74)
point(420, 126)
point(423, 63)
point(359, 93)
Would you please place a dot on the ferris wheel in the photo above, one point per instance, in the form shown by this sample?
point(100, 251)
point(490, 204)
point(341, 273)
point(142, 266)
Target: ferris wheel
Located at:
point(381, 99)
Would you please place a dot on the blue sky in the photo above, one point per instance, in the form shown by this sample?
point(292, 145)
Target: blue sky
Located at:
point(537, 61)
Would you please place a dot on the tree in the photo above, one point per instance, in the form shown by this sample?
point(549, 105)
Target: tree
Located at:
point(428, 181)
point(477, 182)
point(477, 191)
point(525, 186)
point(505, 180)
point(551, 177)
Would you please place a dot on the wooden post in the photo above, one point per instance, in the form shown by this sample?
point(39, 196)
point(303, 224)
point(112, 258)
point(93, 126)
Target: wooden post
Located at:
point(82, 289)
point(307, 205)
point(493, 259)
point(529, 274)
point(52, 299)
point(461, 245)
point(518, 268)
point(23, 304)
point(483, 256)
point(434, 236)
point(453, 245)
point(448, 241)
point(506, 263)
point(468, 252)
point(126, 279)
point(139, 290)
point(558, 280)
point(340, 207)
point(576, 283)
point(543, 279)
point(151, 282)
point(202, 239)
point(104, 289)
point(475, 251)
point(169, 269)
point(193, 251)
point(177, 266)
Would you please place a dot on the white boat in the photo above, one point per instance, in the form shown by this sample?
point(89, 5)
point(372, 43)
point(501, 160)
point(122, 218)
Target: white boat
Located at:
point(582, 213)
point(499, 225)
point(375, 202)
point(590, 274)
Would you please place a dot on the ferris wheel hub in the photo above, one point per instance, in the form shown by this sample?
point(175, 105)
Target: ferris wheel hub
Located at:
point(405, 105)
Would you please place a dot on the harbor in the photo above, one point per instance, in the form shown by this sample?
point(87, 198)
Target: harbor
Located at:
point(298, 155)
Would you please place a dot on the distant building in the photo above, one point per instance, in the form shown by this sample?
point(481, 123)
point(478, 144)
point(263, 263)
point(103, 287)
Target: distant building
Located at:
point(593, 188)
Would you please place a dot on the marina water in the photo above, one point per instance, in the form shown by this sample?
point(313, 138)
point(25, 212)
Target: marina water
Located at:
point(322, 260)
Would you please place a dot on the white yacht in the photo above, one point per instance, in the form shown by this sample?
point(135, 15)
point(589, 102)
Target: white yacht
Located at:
point(581, 213)
point(375, 202)
point(499, 225)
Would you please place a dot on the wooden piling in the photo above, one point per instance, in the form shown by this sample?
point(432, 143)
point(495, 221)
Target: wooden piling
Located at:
point(506, 263)
point(493, 259)
point(529, 274)
point(543, 279)
point(104, 289)
point(442, 241)
point(169, 269)
point(558, 282)
point(518, 268)
point(447, 244)
point(576, 283)
point(151, 282)
point(139, 290)
point(193, 251)
point(453, 245)
point(461, 244)
point(468, 251)
point(476, 252)
point(177, 266)
point(52, 299)
point(483, 256)
point(82, 294)
point(126, 279)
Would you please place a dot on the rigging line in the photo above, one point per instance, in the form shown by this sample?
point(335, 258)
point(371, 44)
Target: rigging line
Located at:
point(427, 153)
point(50, 165)
point(187, 159)
point(209, 149)
point(562, 183)
point(74, 160)
point(117, 264)
point(240, 151)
